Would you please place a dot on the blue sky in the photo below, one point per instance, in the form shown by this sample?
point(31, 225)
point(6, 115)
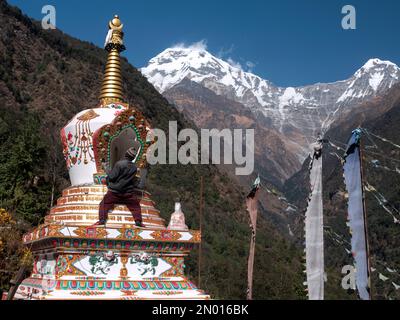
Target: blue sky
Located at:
point(288, 42)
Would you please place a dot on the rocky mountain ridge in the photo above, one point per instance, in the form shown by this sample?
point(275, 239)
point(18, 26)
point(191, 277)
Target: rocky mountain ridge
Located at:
point(300, 113)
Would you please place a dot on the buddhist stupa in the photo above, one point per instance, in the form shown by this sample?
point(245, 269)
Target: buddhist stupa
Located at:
point(74, 259)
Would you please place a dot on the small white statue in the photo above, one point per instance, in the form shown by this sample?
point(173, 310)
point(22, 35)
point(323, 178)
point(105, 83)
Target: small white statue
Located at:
point(177, 221)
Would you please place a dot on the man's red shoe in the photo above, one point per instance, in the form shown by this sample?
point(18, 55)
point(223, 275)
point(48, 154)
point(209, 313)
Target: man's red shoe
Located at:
point(99, 223)
point(139, 224)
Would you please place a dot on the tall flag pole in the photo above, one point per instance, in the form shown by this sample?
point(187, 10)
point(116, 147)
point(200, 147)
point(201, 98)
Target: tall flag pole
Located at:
point(200, 227)
point(252, 206)
point(356, 214)
point(314, 228)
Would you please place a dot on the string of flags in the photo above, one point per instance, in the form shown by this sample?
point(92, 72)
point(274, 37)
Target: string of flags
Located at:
point(394, 274)
point(383, 202)
point(381, 138)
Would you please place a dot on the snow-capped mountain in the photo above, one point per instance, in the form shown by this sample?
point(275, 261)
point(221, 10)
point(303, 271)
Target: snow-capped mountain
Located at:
point(174, 64)
point(306, 110)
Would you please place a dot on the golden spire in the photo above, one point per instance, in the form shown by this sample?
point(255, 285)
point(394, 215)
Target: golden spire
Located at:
point(111, 89)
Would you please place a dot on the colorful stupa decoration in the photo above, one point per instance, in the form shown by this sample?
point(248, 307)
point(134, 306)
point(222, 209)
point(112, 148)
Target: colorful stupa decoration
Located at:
point(74, 259)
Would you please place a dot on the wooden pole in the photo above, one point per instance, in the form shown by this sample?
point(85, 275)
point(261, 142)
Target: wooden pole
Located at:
point(16, 282)
point(252, 205)
point(250, 264)
point(200, 228)
point(361, 155)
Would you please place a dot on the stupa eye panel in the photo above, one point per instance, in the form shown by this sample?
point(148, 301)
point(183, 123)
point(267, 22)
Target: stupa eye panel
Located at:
point(128, 129)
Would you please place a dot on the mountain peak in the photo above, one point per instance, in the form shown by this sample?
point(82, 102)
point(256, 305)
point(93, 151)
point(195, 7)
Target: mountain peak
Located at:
point(376, 62)
point(174, 64)
point(378, 66)
point(198, 65)
point(375, 75)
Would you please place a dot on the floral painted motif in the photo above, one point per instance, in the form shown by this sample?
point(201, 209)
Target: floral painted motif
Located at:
point(196, 236)
point(80, 143)
point(91, 232)
point(166, 235)
point(54, 230)
point(177, 264)
point(100, 178)
point(129, 233)
point(65, 266)
point(65, 149)
point(128, 292)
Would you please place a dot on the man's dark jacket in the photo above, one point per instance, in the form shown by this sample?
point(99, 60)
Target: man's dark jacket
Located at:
point(122, 179)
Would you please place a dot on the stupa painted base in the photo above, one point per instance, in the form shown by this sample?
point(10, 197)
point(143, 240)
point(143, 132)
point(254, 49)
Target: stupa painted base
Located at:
point(86, 288)
point(75, 260)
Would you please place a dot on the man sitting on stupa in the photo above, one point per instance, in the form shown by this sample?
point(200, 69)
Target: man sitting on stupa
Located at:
point(121, 182)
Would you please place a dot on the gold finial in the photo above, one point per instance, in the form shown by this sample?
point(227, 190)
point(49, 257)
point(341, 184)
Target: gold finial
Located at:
point(111, 89)
point(115, 23)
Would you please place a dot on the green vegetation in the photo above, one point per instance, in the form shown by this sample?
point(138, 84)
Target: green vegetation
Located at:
point(23, 150)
